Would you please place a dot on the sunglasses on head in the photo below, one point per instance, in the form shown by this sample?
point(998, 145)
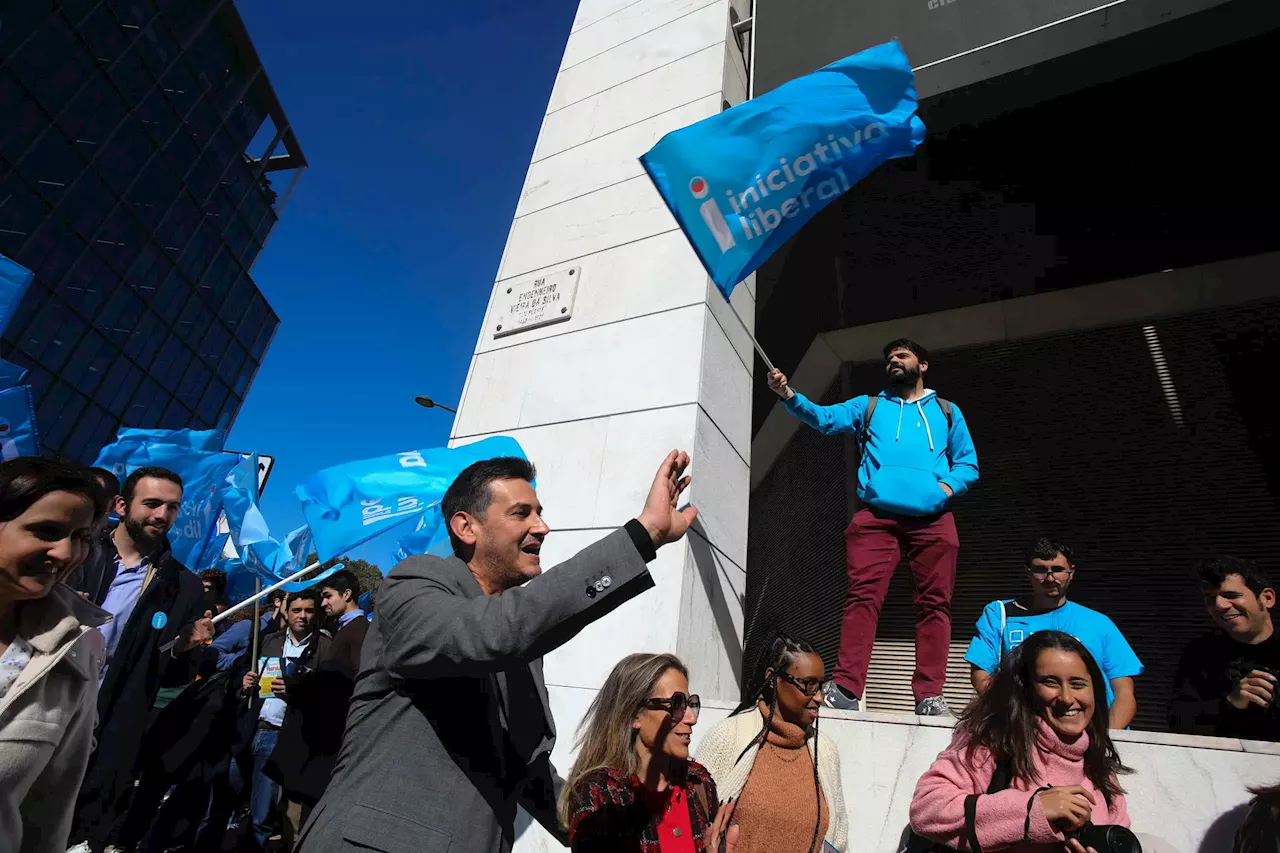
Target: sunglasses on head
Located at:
point(807, 686)
point(676, 704)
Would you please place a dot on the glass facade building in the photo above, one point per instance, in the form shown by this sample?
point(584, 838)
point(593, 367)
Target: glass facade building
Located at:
point(128, 187)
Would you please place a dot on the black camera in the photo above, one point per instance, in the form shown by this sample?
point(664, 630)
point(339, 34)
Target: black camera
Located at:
point(1107, 838)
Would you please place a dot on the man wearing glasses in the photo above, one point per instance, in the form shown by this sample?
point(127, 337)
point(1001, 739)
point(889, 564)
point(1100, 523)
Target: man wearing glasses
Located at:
point(1006, 623)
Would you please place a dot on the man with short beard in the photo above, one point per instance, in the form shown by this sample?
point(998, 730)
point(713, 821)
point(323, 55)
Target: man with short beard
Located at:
point(154, 599)
point(916, 456)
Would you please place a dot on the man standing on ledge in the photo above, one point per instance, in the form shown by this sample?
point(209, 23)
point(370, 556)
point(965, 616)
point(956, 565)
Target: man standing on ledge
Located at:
point(450, 727)
point(916, 456)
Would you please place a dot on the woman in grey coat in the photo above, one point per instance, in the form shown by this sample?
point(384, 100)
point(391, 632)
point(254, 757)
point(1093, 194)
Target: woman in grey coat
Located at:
point(50, 653)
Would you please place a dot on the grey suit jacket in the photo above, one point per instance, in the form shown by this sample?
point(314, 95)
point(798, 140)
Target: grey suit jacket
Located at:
point(427, 765)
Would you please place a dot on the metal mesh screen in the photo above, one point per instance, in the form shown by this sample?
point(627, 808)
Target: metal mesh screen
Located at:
point(1146, 447)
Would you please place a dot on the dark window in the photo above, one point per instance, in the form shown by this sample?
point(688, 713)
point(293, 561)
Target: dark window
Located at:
point(178, 226)
point(153, 192)
point(171, 296)
point(124, 156)
point(93, 429)
point(118, 387)
point(237, 302)
point(106, 40)
point(52, 63)
point(52, 250)
point(21, 212)
point(121, 237)
point(57, 413)
point(132, 76)
point(194, 321)
point(147, 336)
point(53, 335)
point(87, 204)
point(199, 252)
point(171, 363)
point(88, 285)
point(214, 343)
point(211, 403)
point(251, 323)
point(181, 151)
point(23, 118)
point(94, 357)
point(147, 405)
point(221, 274)
point(93, 114)
point(121, 315)
point(202, 179)
point(20, 20)
point(156, 46)
point(157, 115)
point(176, 416)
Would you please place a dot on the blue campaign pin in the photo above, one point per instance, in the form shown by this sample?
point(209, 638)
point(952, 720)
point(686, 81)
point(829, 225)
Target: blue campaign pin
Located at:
point(159, 620)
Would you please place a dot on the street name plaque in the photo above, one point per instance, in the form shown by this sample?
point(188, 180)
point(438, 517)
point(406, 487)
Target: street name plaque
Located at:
point(535, 302)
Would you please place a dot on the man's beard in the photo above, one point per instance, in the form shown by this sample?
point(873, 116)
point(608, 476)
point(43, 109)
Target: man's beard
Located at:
point(141, 534)
point(908, 376)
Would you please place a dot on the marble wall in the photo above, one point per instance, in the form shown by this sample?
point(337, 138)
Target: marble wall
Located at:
point(1187, 793)
point(650, 357)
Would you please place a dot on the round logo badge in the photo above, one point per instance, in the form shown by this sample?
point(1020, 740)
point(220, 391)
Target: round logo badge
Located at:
point(698, 188)
point(159, 620)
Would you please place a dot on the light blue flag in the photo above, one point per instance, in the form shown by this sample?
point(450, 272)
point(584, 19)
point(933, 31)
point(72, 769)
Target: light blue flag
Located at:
point(350, 504)
point(18, 434)
point(130, 440)
point(14, 281)
point(741, 182)
point(430, 536)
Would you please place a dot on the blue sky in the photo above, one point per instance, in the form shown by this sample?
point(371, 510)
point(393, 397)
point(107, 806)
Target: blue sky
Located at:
point(418, 121)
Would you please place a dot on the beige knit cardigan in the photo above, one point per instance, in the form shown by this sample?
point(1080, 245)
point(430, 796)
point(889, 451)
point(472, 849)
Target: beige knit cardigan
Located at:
point(718, 752)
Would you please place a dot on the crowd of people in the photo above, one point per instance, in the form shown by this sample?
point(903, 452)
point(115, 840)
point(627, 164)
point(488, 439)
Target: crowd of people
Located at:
point(130, 721)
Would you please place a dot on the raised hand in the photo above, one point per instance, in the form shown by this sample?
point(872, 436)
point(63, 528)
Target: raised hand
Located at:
point(722, 835)
point(778, 384)
point(196, 634)
point(660, 517)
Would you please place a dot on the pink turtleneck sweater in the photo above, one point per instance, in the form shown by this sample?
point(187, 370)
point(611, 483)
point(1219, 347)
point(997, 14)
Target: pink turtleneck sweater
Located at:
point(937, 809)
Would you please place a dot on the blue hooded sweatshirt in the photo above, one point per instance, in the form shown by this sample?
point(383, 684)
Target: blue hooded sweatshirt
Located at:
point(910, 450)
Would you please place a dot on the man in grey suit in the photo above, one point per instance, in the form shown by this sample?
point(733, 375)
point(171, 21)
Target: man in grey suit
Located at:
point(449, 728)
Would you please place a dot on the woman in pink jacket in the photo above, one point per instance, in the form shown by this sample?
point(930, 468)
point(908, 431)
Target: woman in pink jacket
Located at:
point(1044, 721)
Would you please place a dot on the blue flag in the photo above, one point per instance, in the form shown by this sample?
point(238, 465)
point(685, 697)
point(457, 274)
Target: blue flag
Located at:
point(740, 183)
point(14, 281)
point(130, 440)
point(349, 504)
point(430, 536)
point(18, 435)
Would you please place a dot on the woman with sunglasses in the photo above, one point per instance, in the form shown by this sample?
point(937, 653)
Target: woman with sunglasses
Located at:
point(50, 654)
point(1042, 726)
point(768, 756)
point(633, 788)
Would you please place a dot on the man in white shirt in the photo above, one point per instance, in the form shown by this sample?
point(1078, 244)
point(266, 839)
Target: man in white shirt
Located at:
point(283, 657)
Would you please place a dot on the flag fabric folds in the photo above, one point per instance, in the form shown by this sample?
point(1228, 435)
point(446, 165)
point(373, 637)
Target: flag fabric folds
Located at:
point(349, 504)
point(742, 182)
point(14, 281)
point(18, 434)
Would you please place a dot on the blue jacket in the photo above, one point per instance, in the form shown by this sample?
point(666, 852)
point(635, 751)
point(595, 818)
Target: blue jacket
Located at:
point(910, 450)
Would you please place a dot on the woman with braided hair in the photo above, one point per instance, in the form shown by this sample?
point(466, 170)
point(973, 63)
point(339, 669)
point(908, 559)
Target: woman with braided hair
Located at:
point(769, 757)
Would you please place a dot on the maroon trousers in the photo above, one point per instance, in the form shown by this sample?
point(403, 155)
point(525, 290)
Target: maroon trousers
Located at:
point(873, 545)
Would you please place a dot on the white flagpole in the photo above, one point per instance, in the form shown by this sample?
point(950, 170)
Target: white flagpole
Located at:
point(248, 601)
point(754, 342)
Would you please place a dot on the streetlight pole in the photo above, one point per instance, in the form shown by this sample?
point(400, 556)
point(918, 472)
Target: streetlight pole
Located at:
point(428, 403)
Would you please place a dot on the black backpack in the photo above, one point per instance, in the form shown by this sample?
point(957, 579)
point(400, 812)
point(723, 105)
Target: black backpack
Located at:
point(1001, 779)
point(865, 433)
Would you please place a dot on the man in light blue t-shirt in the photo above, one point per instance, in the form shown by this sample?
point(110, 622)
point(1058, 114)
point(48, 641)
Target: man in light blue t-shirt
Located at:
point(1005, 624)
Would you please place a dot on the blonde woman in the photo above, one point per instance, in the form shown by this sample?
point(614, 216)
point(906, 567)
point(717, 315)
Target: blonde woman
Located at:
point(633, 787)
point(783, 776)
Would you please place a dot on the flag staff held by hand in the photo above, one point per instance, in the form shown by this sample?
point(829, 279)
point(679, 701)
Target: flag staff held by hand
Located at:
point(298, 575)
